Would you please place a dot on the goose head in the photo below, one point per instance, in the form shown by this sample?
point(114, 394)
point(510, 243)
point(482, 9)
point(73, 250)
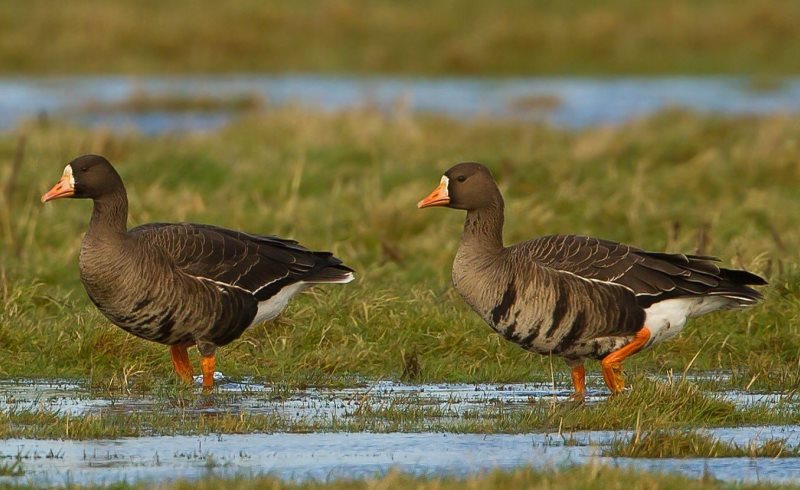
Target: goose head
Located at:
point(87, 177)
point(469, 186)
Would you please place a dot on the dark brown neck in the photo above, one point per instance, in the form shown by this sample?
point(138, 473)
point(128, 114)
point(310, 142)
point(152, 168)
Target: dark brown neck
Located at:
point(110, 215)
point(483, 228)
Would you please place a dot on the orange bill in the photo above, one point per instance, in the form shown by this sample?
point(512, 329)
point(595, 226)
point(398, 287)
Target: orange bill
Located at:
point(63, 188)
point(439, 196)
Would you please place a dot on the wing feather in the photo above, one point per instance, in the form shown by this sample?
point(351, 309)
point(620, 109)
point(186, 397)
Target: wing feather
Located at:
point(653, 276)
point(246, 261)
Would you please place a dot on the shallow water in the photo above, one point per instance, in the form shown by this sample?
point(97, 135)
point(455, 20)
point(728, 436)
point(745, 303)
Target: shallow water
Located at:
point(315, 404)
point(565, 102)
point(325, 455)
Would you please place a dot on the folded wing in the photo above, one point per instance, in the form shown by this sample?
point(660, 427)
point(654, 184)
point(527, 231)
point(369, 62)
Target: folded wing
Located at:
point(261, 265)
point(652, 276)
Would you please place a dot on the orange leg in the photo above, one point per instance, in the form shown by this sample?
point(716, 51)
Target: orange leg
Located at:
point(612, 363)
point(579, 382)
point(207, 366)
point(180, 361)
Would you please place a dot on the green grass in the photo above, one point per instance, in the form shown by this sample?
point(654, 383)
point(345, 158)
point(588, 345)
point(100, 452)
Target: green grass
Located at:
point(411, 37)
point(11, 469)
point(693, 444)
point(349, 183)
point(655, 407)
point(588, 477)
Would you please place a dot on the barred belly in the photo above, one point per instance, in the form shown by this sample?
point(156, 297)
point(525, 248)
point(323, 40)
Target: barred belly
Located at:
point(567, 319)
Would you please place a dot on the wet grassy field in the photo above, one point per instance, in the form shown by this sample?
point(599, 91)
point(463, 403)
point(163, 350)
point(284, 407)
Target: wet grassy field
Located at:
point(393, 370)
point(349, 182)
point(597, 477)
point(498, 38)
point(30, 410)
point(588, 477)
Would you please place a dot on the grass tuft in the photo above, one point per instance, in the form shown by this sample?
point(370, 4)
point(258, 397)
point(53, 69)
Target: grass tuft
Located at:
point(585, 477)
point(11, 469)
point(694, 444)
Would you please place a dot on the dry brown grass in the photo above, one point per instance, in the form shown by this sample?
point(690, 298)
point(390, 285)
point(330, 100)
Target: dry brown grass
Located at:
point(439, 37)
point(588, 477)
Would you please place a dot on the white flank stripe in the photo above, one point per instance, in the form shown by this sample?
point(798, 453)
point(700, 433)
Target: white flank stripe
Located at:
point(591, 279)
point(272, 281)
point(220, 283)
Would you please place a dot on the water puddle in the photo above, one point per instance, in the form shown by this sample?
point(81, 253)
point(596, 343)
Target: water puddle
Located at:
point(325, 456)
point(316, 404)
point(310, 404)
point(328, 455)
point(566, 102)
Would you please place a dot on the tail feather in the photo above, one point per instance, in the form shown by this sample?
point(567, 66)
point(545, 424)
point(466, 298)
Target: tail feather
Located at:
point(735, 286)
point(335, 274)
point(738, 276)
point(332, 270)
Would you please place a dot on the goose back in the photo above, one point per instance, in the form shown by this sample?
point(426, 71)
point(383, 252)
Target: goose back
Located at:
point(652, 276)
point(258, 264)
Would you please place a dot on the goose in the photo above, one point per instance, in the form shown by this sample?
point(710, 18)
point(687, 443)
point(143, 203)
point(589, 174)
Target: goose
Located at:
point(577, 297)
point(183, 284)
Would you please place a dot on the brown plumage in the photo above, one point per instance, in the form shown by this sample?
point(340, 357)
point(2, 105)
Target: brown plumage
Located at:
point(577, 297)
point(183, 284)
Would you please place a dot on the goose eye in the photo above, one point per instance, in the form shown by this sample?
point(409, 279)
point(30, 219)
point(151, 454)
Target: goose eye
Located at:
point(84, 169)
point(461, 178)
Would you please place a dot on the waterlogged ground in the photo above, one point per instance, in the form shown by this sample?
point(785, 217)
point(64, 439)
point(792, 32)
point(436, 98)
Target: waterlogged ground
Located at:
point(329, 455)
point(181, 103)
point(349, 182)
point(323, 455)
point(318, 404)
point(311, 403)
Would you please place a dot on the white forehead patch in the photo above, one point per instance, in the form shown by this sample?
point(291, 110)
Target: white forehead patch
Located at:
point(445, 183)
point(68, 173)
